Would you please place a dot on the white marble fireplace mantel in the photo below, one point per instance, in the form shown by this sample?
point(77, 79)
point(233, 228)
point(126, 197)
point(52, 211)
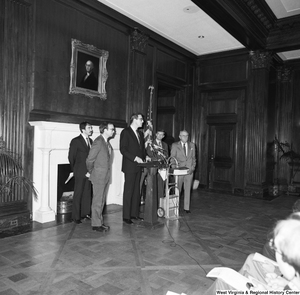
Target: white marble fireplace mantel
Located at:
point(51, 146)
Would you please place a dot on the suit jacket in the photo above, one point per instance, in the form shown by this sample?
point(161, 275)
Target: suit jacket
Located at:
point(90, 82)
point(154, 155)
point(99, 160)
point(188, 160)
point(130, 148)
point(78, 152)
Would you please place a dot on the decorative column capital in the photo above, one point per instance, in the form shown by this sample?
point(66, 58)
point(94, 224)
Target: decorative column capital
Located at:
point(260, 59)
point(284, 74)
point(139, 40)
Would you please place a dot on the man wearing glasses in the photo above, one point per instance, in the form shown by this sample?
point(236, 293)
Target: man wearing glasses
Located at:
point(185, 153)
point(98, 165)
point(132, 147)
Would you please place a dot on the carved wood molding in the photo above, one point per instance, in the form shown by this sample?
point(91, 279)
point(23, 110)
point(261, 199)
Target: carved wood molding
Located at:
point(284, 74)
point(260, 59)
point(139, 40)
point(259, 13)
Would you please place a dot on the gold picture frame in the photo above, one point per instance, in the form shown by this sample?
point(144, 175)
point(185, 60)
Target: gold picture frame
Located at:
point(88, 73)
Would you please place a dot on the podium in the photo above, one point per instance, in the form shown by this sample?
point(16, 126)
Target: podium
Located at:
point(151, 202)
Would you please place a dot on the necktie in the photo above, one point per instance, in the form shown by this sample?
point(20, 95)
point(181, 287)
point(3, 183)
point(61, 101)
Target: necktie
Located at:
point(137, 136)
point(184, 149)
point(109, 147)
point(88, 142)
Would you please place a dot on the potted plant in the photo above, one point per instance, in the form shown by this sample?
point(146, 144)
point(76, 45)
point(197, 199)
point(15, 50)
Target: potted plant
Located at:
point(292, 158)
point(11, 174)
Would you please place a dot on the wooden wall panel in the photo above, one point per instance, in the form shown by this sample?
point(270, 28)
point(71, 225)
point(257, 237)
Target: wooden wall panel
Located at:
point(256, 125)
point(171, 66)
point(137, 82)
point(223, 68)
point(36, 43)
point(220, 100)
point(14, 83)
point(53, 57)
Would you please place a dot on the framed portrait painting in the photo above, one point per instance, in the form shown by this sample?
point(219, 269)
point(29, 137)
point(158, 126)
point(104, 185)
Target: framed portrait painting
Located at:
point(88, 73)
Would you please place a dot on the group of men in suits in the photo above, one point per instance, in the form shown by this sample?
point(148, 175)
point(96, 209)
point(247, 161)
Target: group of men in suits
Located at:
point(91, 165)
point(132, 147)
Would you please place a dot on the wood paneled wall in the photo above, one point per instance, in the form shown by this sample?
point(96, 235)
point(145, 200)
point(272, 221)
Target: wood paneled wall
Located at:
point(36, 44)
point(268, 106)
point(15, 84)
point(221, 94)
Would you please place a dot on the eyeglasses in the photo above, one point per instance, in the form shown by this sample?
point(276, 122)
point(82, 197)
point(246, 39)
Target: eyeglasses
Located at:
point(273, 247)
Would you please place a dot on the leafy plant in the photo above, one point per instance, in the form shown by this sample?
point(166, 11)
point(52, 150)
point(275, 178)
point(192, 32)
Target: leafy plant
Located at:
point(290, 156)
point(10, 173)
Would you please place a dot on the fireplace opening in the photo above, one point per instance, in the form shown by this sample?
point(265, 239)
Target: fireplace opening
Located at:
point(65, 190)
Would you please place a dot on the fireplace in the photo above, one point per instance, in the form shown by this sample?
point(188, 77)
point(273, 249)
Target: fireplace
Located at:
point(51, 146)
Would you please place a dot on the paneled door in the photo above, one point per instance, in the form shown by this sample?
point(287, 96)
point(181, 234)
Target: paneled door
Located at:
point(222, 155)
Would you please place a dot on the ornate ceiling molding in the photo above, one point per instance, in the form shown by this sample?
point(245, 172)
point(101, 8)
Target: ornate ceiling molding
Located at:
point(259, 13)
point(284, 74)
point(139, 40)
point(260, 59)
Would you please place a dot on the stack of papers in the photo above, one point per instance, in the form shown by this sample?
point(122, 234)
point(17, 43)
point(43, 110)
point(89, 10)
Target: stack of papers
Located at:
point(179, 171)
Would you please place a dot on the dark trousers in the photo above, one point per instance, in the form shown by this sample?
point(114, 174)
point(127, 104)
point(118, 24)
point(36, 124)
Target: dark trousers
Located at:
point(82, 198)
point(131, 195)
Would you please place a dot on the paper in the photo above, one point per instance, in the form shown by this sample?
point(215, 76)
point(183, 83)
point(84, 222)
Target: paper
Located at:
point(163, 173)
point(264, 259)
point(179, 171)
point(266, 265)
point(231, 277)
point(69, 177)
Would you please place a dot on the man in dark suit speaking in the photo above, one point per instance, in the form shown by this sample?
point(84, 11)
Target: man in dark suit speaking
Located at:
point(78, 152)
point(132, 147)
point(89, 80)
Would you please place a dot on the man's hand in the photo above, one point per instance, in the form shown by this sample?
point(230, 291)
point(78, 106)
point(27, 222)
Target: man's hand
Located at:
point(88, 174)
point(139, 160)
point(148, 159)
point(276, 282)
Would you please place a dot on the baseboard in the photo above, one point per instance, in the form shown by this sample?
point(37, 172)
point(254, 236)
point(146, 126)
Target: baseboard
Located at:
point(9, 222)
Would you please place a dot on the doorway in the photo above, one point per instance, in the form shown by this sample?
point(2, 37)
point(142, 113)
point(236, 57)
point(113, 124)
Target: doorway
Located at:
point(222, 154)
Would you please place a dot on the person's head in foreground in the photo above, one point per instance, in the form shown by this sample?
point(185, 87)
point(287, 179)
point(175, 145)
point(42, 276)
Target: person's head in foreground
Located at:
point(286, 243)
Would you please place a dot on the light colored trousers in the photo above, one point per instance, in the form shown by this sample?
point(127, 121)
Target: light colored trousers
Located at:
point(186, 181)
point(99, 198)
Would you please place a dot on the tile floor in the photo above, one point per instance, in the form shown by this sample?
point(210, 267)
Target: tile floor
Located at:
point(70, 259)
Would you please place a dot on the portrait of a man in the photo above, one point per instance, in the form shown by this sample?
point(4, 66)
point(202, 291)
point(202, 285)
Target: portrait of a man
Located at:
point(87, 75)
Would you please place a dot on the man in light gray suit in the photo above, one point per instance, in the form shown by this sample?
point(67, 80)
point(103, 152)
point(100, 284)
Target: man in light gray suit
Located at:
point(99, 166)
point(184, 152)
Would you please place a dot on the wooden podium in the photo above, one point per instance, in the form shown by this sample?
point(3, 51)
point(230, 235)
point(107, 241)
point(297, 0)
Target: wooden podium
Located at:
point(151, 203)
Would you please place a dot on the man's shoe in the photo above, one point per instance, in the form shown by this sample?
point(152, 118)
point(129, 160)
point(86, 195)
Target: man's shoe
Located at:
point(187, 211)
point(105, 226)
point(77, 221)
point(86, 217)
point(98, 228)
point(137, 218)
point(128, 221)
